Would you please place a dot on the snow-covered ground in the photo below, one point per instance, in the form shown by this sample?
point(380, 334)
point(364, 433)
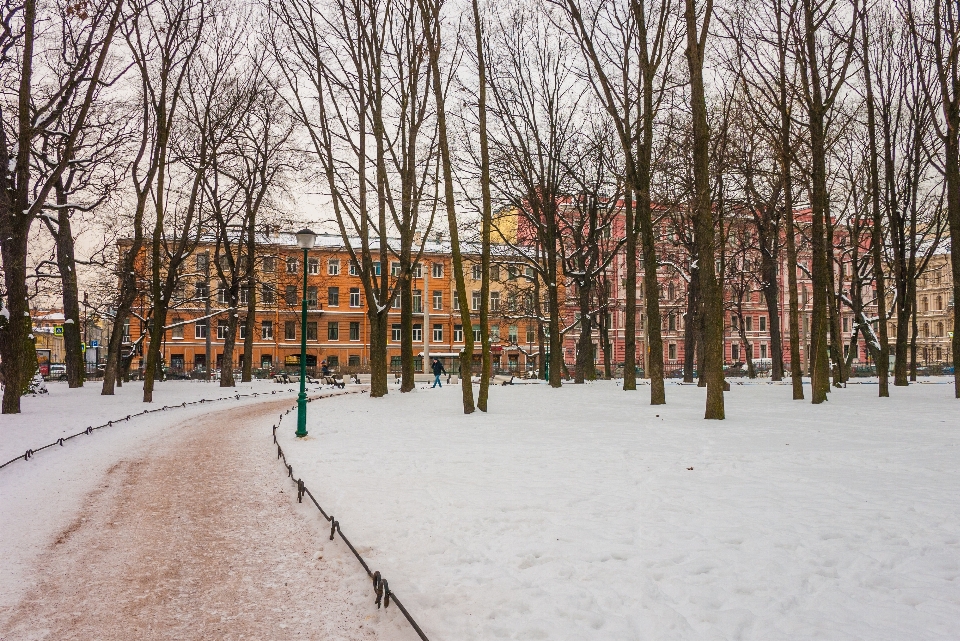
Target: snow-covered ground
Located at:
point(63, 411)
point(575, 514)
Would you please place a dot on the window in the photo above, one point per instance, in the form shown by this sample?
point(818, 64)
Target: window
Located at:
point(438, 333)
point(418, 271)
point(202, 291)
point(735, 352)
point(437, 270)
point(199, 330)
point(511, 272)
point(494, 301)
point(438, 299)
point(456, 302)
point(418, 333)
point(268, 294)
point(354, 297)
point(313, 265)
point(417, 301)
point(395, 301)
point(333, 267)
point(312, 297)
point(376, 268)
point(494, 333)
point(244, 295)
point(177, 331)
point(395, 269)
point(269, 264)
point(333, 361)
point(763, 350)
point(939, 299)
point(846, 324)
point(531, 334)
point(512, 334)
point(924, 304)
point(671, 292)
point(266, 330)
point(243, 330)
point(290, 330)
point(939, 332)
point(354, 268)
point(292, 265)
point(475, 301)
point(458, 333)
point(476, 334)
point(529, 272)
point(671, 322)
point(223, 329)
point(333, 331)
point(353, 360)
point(354, 331)
point(395, 333)
point(290, 295)
point(672, 351)
point(312, 331)
point(333, 297)
point(223, 294)
point(748, 323)
point(763, 324)
point(477, 272)
point(203, 262)
point(494, 272)
point(512, 302)
point(925, 332)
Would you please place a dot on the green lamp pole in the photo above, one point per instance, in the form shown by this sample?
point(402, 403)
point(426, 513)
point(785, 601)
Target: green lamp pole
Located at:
point(305, 240)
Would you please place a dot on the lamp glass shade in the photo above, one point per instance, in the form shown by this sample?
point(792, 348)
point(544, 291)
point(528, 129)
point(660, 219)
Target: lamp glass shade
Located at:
point(306, 239)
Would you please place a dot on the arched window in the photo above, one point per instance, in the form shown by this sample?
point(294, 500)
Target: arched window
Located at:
point(939, 303)
point(925, 332)
point(940, 329)
point(671, 292)
point(924, 305)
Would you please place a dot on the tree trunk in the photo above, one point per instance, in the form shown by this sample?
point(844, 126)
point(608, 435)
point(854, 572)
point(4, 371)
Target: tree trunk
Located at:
point(407, 374)
point(584, 360)
point(67, 266)
point(230, 341)
point(691, 325)
point(250, 323)
point(378, 353)
point(486, 213)
point(711, 289)
point(630, 295)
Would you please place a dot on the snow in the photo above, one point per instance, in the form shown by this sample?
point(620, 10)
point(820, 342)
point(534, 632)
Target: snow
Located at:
point(575, 514)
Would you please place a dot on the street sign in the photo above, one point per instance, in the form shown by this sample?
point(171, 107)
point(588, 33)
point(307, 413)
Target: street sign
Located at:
point(58, 330)
point(83, 348)
point(94, 343)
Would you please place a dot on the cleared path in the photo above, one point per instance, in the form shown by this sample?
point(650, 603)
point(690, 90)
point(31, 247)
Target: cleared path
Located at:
point(200, 539)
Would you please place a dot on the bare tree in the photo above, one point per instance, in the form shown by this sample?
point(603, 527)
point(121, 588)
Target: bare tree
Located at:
point(30, 107)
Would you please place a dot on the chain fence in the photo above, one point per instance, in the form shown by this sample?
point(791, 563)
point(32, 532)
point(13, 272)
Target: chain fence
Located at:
point(29, 454)
point(384, 595)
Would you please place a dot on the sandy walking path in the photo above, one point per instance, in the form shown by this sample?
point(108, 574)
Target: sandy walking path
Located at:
point(201, 539)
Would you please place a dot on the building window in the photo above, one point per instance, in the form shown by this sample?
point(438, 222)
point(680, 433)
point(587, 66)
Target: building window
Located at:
point(290, 330)
point(203, 262)
point(939, 333)
point(269, 264)
point(354, 297)
point(456, 302)
point(268, 294)
point(475, 301)
point(313, 265)
point(244, 295)
point(353, 360)
point(333, 297)
point(925, 332)
point(312, 297)
point(202, 291)
point(458, 333)
point(223, 329)
point(395, 301)
point(735, 352)
point(243, 330)
point(748, 323)
point(333, 267)
point(418, 271)
point(671, 322)
point(312, 330)
point(494, 302)
point(417, 301)
point(266, 330)
point(531, 334)
point(395, 269)
point(177, 330)
point(924, 304)
point(437, 270)
point(763, 350)
point(476, 334)
point(223, 294)
point(939, 299)
point(376, 268)
point(354, 331)
point(199, 330)
point(333, 331)
point(494, 333)
point(529, 272)
point(292, 265)
point(494, 273)
point(511, 272)
point(763, 323)
point(477, 272)
point(333, 361)
point(395, 331)
point(512, 334)
point(354, 268)
point(438, 333)
point(672, 351)
point(418, 333)
point(438, 300)
point(290, 295)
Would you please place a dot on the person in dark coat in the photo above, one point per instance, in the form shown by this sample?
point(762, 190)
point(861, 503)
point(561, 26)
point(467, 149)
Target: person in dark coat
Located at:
point(437, 368)
point(324, 369)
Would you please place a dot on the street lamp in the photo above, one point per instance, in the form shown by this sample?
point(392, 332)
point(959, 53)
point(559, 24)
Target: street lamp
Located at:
point(305, 240)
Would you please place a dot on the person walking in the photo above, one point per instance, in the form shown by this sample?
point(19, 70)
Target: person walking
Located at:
point(437, 371)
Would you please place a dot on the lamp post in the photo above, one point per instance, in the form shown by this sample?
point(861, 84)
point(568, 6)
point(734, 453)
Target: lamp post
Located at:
point(305, 240)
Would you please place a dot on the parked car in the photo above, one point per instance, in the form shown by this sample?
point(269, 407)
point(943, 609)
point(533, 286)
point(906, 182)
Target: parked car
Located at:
point(58, 372)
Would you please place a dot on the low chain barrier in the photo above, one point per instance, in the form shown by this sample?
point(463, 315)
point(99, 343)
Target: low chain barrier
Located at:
point(384, 595)
point(29, 454)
